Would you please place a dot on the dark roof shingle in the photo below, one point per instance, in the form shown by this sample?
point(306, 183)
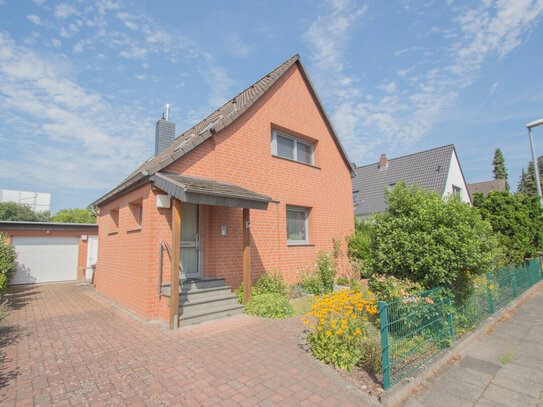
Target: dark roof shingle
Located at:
point(429, 169)
point(486, 186)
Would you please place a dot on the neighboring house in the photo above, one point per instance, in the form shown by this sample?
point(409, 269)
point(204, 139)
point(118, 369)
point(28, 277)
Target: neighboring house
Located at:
point(486, 186)
point(437, 169)
point(261, 184)
point(50, 251)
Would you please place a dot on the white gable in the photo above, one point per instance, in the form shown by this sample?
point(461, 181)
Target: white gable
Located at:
point(455, 178)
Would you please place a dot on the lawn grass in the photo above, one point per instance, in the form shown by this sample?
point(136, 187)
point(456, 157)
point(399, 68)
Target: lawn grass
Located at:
point(301, 305)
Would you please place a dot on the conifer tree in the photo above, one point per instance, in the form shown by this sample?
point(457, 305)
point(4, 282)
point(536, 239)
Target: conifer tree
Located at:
point(499, 167)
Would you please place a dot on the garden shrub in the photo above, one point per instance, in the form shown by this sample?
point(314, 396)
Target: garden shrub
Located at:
point(271, 282)
point(7, 262)
point(518, 221)
point(271, 305)
point(431, 240)
point(389, 288)
point(339, 324)
point(342, 281)
point(319, 279)
point(370, 346)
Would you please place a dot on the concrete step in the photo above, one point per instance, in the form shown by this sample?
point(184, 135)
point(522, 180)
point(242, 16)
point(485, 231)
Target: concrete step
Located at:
point(197, 284)
point(203, 303)
point(188, 286)
point(210, 314)
point(198, 295)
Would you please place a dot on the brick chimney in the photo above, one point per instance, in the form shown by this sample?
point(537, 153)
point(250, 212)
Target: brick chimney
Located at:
point(164, 136)
point(383, 162)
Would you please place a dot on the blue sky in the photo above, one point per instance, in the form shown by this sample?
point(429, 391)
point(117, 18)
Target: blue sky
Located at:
point(82, 83)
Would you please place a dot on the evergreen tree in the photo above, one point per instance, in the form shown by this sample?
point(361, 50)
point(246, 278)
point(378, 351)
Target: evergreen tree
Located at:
point(499, 167)
point(527, 184)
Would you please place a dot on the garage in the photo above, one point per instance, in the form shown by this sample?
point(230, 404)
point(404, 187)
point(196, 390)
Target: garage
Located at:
point(50, 251)
point(45, 259)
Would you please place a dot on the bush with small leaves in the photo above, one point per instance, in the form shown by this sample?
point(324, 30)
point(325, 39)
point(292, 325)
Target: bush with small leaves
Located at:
point(271, 305)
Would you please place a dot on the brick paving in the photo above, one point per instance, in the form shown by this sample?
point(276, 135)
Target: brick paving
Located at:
point(63, 345)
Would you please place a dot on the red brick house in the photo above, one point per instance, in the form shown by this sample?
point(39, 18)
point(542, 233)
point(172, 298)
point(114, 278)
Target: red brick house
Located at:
point(263, 183)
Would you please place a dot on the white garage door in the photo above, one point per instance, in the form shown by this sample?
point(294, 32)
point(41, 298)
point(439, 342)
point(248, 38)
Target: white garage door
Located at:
point(44, 259)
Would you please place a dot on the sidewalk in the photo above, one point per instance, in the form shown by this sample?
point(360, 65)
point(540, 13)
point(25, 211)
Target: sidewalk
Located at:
point(503, 368)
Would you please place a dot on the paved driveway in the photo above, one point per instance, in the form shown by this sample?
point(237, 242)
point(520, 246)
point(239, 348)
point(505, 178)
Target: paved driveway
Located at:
point(63, 345)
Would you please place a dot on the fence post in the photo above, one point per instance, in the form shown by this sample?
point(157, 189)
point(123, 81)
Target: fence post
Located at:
point(384, 344)
point(514, 284)
point(450, 318)
point(490, 299)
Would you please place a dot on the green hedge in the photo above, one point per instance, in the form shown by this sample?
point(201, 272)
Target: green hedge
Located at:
point(7, 262)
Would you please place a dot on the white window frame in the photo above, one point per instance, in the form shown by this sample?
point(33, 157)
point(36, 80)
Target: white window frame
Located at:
point(296, 140)
point(305, 211)
point(457, 191)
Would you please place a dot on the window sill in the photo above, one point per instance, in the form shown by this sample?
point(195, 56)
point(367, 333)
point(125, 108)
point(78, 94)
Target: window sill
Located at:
point(295, 161)
point(138, 229)
point(294, 244)
point(115, 232)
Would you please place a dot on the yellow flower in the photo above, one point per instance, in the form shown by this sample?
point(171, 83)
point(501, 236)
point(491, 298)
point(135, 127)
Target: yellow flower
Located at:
point(490, 287)
point(306, 321)
point(328, 333)
point(319, 328)
point(339, 332)
point(353, 316)
point(312, 326)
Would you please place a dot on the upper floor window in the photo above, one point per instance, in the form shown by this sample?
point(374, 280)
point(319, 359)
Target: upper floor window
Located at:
point(457, 191)
point(291, 147)
point(355, 195)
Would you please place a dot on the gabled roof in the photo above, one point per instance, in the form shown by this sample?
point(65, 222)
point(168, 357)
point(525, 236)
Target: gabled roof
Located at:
point(486, 186)
point(217, 121)
point(429, 169)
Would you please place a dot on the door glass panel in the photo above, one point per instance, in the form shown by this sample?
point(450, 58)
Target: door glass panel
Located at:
point(189, 261)
point(189, 252)
point(189, 222)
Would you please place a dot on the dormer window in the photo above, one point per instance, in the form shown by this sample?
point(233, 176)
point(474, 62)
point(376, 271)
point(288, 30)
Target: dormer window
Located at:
point(291, 148)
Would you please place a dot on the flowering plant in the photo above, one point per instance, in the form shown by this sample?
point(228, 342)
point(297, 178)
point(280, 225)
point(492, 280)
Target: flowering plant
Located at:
point(339, 324)
point(390, 288)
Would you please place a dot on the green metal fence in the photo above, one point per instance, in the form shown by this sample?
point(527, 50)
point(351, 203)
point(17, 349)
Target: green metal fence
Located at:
point(416, 328)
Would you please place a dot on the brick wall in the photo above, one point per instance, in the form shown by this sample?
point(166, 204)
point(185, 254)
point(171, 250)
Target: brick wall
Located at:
point(241, 154)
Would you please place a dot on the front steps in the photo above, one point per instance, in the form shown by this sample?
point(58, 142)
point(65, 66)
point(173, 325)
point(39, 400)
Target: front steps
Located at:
point(202, 300)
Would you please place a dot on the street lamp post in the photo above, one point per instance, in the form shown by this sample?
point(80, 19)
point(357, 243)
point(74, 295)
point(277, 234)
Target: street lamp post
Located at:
point(536, 166)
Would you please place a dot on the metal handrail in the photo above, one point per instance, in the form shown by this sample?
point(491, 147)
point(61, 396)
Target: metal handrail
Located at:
point(162, 245)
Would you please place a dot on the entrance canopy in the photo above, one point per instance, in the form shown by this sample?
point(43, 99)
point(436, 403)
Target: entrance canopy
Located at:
point(209, 192)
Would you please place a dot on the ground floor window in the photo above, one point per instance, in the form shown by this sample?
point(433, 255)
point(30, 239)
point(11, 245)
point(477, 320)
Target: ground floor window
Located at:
point(297, 225)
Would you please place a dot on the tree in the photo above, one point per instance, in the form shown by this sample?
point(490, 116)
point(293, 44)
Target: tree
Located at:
point(499, 166)
point(75, 215)
point(431, 240)
point(527, 184)
point(12, 211)
point(518, 220)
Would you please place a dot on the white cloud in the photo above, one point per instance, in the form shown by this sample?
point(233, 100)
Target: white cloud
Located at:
point(422, 92)
point(82, 138)
point(38, 2)
point(34, 18)
point(56, 43)
point(64, 10)
point(493, 88)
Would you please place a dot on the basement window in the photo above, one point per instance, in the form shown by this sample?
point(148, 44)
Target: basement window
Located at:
point(292, 148)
